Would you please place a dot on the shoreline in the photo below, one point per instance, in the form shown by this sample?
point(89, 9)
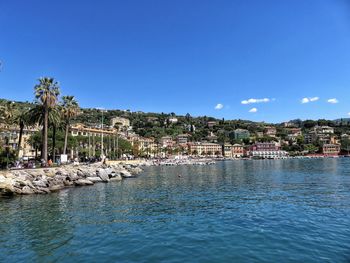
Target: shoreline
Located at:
point(51, 179)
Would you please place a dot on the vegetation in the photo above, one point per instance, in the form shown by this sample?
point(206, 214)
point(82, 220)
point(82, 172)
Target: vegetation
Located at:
point(55, 115)
point(46, 93)
point(70, 109)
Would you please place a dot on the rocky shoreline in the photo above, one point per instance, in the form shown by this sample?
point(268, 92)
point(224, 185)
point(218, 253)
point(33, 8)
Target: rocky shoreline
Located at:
point(47, 180)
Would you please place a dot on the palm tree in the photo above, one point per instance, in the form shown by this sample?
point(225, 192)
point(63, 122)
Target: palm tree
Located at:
point(46, 92)
point(70, 109)
point(35, 116)
point(21, 119)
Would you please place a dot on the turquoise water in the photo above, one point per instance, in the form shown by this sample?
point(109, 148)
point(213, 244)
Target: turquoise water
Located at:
point(237, 211)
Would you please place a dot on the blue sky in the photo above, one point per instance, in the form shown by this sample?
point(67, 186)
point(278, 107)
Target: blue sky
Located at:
point(183, 56)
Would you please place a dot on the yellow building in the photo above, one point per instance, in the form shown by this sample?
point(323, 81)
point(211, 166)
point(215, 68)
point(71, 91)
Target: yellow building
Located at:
point(205, 148)
point(81, 130)
point(11, 135)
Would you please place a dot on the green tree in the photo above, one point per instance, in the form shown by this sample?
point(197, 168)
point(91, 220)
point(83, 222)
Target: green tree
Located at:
point(7, 113)
point(311, 148)
point(345, 145)
point(22, 120)
point(70, 109)
point(46, 93)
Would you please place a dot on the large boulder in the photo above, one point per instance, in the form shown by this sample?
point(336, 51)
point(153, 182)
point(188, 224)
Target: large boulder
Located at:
point(40, 183)
point(126, 174)
point(55, 188)
point(24, 176)
point(82, 182)
point(42, 190)
point(94, 179)
point(135, 170)
point(116, 178)
point(27, 190)
point(102, 174)
point(6, 189)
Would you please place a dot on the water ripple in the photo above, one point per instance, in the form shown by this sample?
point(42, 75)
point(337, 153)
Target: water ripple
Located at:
point(255, 211)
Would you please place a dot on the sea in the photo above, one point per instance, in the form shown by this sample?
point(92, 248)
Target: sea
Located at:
point(293, 210)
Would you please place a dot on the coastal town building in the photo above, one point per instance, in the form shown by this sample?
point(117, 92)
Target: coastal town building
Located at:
point(228, 150)
point(166, 142)
point(289, 124)
point(173, 120)
point(212, 137)
point(267, 150)
point(293, 133)
point(331, 149)
point(240, 134)
point(211, 124)
point(82, 130)
point(233, 151)
point(122, 122)
point(9, 136)
point(323, 130)
point(182, 138)
point(270, 131)
point(310, 137)
point(144, 145)
point(334, 139)
point(205, 148)
point(237, 151)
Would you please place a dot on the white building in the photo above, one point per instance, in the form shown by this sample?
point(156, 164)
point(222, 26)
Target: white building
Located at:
point(120, 121)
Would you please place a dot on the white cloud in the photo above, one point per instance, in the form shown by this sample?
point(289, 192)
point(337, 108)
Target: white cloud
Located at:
point(349, 113)
point(253, 110)
point(307, 100)
point(219, 106)
point(333, 101)
point(249, 101)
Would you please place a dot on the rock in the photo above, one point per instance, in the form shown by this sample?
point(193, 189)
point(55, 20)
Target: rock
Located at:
point(68, 183)
point(42, 190)
point(27, 190)
point(109, 171)
point(116, 178)
point(82, 182)
point(136, 170)
point(73, 176)
point(25, 176)
point(41, 183)
point(17, 190)
point(94, 179)
point(55, 188)
point(21, 183)
point(102, 174)
point(6, 189)
point(126, 174)
point(80, 173)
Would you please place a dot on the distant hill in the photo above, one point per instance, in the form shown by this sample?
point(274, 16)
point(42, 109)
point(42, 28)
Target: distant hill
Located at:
point(156, 125)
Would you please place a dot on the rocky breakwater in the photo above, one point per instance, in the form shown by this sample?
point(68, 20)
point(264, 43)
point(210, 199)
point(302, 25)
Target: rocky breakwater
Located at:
point(47, 180)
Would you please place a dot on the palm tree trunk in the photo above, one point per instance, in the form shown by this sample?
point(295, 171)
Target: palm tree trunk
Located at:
point(46, 123)
point(54, 143)
point(21, 127)
point(66, 139)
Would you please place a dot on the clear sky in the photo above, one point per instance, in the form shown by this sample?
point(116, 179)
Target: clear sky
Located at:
point(250, 59)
